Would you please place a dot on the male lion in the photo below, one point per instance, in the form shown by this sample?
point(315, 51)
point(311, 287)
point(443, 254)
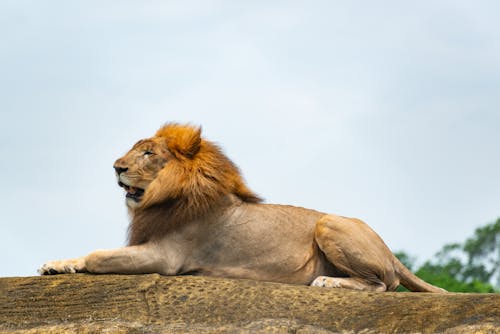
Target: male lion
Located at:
point(191, 213)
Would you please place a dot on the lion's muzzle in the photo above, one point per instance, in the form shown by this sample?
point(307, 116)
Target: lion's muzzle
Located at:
point(132, 192)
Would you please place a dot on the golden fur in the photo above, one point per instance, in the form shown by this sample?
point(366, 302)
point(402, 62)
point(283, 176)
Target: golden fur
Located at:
point(191, 213)
point(195, 180)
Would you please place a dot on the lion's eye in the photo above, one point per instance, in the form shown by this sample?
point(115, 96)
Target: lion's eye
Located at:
point(148, 153)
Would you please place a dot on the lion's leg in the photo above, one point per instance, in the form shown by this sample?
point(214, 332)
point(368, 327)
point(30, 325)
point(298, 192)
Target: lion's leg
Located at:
point(142, 259)
point(355, 249)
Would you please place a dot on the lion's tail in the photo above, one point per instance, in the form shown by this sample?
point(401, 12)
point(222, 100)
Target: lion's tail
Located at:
point(412, 282)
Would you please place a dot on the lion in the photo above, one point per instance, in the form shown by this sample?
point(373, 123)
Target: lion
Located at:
point(192, 214)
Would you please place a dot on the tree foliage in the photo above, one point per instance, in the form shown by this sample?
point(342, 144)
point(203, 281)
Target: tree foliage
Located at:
point(472, 266)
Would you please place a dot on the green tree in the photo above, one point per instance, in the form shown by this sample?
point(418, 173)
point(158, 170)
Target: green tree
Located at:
point(473, 266)
point(483, 254)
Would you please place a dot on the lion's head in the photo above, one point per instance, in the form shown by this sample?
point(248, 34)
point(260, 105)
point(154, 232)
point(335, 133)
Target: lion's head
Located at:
point(173, 177)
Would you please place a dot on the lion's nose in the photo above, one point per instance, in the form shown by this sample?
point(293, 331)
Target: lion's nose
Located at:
point(120, 170)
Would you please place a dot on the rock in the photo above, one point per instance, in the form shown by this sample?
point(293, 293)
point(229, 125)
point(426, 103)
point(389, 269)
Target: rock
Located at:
point(82, 303)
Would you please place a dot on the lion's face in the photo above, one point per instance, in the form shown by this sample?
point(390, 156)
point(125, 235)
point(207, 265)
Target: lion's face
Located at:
point(139, 167)
point(175, 177)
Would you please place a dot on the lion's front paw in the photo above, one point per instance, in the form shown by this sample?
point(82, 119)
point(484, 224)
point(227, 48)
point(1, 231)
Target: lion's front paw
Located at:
point(63, 267)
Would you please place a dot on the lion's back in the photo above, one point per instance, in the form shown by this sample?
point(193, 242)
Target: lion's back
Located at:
point(283, 224)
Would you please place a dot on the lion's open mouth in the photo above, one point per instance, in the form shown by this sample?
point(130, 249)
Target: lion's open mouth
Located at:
point(132, 192)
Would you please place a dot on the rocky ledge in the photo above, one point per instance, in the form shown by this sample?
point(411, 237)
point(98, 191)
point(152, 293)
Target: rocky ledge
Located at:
point(155, 304)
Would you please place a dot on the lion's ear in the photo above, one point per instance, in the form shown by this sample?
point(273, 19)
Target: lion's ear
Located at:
point(182, 140)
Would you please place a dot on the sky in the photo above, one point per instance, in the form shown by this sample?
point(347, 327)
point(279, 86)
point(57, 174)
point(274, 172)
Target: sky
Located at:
point(388, 111)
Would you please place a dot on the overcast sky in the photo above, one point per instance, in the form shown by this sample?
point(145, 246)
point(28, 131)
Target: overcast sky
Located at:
point(388, 111)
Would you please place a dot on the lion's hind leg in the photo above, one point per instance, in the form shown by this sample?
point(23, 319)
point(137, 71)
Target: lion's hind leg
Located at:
point(356, 250)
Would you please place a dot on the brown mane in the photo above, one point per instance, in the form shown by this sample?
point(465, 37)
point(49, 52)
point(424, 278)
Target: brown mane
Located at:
point(194, 182)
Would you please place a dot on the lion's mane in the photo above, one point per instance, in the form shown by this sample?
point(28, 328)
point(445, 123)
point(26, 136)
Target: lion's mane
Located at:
point(193, 183)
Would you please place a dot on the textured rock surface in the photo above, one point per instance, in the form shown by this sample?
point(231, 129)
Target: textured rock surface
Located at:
point(155, 304)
